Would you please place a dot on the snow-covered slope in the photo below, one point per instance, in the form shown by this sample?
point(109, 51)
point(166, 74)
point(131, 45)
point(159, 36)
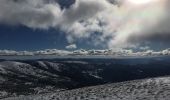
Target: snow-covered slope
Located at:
point(146, 89)
point(35, 77)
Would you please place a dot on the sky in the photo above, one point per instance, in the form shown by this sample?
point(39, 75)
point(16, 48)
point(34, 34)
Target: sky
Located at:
point(88, 24)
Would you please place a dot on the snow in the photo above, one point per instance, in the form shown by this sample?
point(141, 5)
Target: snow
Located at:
point(146, 89)
point(17, 66)
point(47, 79)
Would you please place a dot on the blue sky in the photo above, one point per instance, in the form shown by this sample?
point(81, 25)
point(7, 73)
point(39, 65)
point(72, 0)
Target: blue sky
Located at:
point(23, 38)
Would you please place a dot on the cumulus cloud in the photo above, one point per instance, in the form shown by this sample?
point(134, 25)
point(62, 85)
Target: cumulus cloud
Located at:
point(127, 24)
point(144, 48)
point(30, 13)
point(72, 46)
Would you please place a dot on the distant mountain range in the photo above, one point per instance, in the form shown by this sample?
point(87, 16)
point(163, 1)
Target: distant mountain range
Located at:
point(31, 77)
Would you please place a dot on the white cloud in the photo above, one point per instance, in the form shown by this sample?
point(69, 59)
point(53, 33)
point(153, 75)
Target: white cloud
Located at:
point(31, 13)
point(72, 46)
point(144, 48)
point(127, 24)
point(106, 52)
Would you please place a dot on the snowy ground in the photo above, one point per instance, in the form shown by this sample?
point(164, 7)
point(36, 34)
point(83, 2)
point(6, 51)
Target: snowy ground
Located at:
point(146, 89)
point(68, 79)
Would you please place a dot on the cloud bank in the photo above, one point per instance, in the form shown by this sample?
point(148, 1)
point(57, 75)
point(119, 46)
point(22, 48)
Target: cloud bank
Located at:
point(125, 23)
point(82, 52)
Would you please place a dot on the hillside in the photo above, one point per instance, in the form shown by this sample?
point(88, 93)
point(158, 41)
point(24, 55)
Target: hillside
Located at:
point(146, 89)
point(34, 77)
